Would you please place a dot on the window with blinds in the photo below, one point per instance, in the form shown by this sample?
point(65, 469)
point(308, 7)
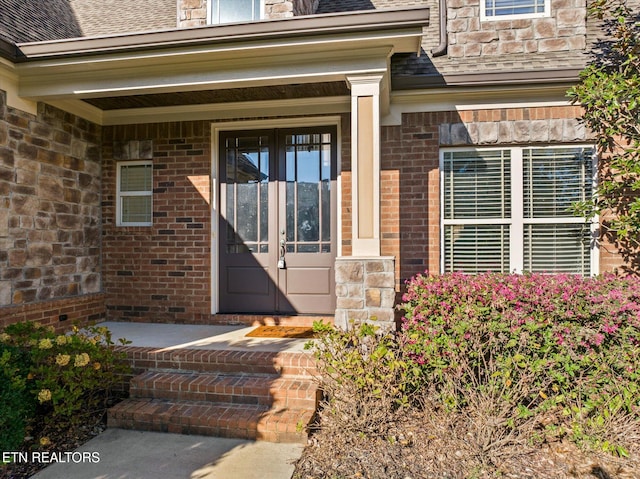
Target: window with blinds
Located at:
point(506, 210)
point(477, 209)
point(514, 8)
point(135, 193)
point(553, 179)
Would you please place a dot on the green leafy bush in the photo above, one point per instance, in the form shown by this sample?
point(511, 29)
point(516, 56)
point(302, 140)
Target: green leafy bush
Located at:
point(70, 376)
point(16, 402)
point(530, 356)
point(364, 377)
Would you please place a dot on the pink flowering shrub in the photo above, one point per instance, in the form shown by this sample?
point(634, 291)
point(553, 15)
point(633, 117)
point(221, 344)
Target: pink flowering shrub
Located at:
point(557, 353)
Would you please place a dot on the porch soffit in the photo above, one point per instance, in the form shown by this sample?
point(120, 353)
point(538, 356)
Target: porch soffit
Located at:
point(307, 57)
point(229, 95)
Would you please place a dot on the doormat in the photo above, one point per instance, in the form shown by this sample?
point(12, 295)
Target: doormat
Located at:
point(287, 332)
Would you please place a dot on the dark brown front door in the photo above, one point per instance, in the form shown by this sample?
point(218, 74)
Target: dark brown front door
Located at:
point(278, 221)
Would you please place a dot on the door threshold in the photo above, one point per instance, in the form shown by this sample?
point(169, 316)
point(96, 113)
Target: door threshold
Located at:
point(271, 319)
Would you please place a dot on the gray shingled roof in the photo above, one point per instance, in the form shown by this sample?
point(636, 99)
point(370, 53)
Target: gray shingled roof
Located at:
point(106, 17)
point(37, 20)
point(40, 20)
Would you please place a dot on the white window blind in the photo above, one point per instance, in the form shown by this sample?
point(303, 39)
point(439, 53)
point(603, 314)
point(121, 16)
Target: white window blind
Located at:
point(496, 220)
point(230, 11)
point(553, 179)
point(135, 190)
point(477, 199)
point(515, 8)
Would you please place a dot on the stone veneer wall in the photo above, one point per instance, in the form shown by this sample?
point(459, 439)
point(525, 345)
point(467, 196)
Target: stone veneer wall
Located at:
point(49, 210)
point(365, 291)
point(565, 29)
point(515, 125)
point(193, 13)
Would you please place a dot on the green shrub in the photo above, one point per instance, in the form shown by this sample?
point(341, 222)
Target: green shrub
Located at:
point(539, 355)
point(364, 377)
point(16, 402)
point(70, 375)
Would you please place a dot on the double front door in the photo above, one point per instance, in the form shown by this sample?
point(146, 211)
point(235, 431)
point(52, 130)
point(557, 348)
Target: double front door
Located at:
point(278, 221)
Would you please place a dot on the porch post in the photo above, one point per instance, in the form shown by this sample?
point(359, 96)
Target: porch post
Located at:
point(365, 164)
point(365, 281)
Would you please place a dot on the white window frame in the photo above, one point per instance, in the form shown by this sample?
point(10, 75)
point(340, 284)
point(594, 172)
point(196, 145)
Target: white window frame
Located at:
point(120, 194)
point(213, 18)
point(484, 17)
point(517, 221)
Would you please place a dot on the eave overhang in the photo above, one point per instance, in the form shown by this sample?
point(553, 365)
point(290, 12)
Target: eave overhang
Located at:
point(314, 49)
point(482, 79)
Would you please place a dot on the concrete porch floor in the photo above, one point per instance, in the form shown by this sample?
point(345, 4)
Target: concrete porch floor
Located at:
point(167, 337)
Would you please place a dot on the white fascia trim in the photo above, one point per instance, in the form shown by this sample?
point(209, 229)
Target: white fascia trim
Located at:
point(225, 111)
point(10, 83)
point(208, 74)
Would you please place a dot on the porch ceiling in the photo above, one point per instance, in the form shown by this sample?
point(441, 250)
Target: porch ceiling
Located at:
point(285, 62)
point(229, 95)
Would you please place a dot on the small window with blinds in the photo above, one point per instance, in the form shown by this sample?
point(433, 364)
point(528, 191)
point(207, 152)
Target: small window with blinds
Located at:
point(134, 193)
point(501, 9)
point(508, 210)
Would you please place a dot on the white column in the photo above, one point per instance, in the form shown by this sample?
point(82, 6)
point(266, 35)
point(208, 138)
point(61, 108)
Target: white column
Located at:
point(365, 163)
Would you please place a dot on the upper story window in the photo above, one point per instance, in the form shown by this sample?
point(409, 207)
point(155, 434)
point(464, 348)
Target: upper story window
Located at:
point(505, 9)
point(230, 11)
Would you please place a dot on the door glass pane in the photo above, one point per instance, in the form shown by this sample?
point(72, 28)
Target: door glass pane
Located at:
point(325, 189)
point(308, 207)
point(308, 195)
point(247, 178)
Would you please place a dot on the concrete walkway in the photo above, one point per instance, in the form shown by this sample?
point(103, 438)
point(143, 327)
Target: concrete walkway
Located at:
point(120, 454)
point(125, 454)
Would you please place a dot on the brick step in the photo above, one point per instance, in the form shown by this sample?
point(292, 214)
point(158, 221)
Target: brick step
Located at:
point(263, 320)
point(265, 390)
point(285, 364)
point(243, 421)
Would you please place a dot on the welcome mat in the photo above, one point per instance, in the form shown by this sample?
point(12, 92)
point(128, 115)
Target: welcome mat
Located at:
point(286, 332)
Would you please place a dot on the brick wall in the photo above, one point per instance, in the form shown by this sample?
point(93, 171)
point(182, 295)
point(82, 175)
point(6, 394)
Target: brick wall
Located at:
point(161, 272)
point(49, 209)
point(564, 30)
point(410, 193)
point(79, 311)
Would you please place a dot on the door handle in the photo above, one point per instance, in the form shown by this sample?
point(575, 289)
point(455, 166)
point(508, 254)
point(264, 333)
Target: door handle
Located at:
point(283, 250)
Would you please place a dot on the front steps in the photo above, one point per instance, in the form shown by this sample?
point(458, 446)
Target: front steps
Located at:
point(258, 395)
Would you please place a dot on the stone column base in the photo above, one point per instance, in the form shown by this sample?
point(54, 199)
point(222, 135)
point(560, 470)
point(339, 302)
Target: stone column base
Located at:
point(365, 290)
